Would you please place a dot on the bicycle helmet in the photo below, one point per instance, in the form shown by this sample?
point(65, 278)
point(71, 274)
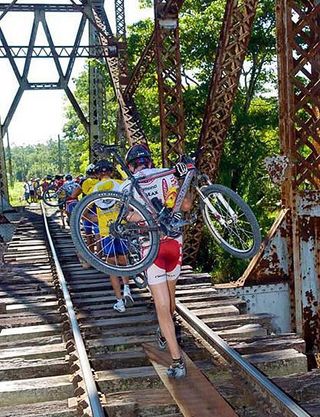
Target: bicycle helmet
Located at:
point(90, 169)
point(49, 177)
point(68, 177)
point(103, 166)
point(138, 152)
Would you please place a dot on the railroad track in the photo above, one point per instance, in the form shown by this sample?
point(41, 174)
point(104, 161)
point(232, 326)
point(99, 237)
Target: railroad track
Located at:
point(41, 373)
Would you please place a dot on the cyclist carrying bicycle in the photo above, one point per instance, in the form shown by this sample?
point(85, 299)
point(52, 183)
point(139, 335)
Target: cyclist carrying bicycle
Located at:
point(162, 275)
point(90, 228)
point(116, 248)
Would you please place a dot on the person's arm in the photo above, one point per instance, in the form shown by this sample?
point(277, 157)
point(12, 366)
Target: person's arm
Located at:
point(76, 192)
point(187, 203)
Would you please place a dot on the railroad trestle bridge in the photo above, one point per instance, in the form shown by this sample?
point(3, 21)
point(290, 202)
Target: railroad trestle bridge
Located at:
point(283, 278)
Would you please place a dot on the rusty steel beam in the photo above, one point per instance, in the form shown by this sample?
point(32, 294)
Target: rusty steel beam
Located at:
point(167, 44)
point(232, 47)
point(298, 32)
point(298, 40)
point(97, 92)
point(121, 36)
point(141, 67)
point(148, 53)
point(132, 124)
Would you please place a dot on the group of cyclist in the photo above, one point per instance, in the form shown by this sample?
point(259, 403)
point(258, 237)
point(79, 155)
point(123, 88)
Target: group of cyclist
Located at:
point(162, 275)
point(34, 188)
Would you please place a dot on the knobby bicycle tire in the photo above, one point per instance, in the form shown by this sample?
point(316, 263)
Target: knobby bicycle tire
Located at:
point(228, 232)
point(140, 262)
point(52, 200)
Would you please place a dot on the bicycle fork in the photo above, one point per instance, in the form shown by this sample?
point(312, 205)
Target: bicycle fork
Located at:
point(213, 210)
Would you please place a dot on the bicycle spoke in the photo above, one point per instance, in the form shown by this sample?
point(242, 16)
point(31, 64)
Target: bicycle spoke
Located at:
point(230, 222)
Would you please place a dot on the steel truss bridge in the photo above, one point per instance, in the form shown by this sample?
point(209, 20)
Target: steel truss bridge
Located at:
point(291, 250)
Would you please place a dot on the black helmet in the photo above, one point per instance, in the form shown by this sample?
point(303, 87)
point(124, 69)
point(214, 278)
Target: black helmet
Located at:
point(90, 169)
point(49, 177)
point(68, 177)
point(103, 166)
point(136, 152)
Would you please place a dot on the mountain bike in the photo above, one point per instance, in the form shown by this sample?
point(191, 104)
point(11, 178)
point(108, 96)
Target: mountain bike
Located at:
point(131, 240)
point(54, 195)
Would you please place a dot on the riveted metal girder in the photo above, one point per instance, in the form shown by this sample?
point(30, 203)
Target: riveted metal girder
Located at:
point(44, 51)
point(3, 173)
point(131, 117)
point(298, 28)
point(96, 92)
point(148, 53)
point(233, 43)
point(167, 44)
point(122, 42)
point(121, 36)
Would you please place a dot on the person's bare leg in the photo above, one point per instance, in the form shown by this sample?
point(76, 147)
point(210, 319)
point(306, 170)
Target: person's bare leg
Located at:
point(161, 297)
point(115, 282)
point(172, 294)
point(125, 280)
point(90, 241)
point(62, 219)
point(98, 240)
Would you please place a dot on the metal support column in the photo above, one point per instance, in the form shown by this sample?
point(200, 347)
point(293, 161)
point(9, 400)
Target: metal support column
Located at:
point(298, 27)
point(233, 43)
point(121, 35)
point(96, 90)
point(4, 194)
point(167, 44)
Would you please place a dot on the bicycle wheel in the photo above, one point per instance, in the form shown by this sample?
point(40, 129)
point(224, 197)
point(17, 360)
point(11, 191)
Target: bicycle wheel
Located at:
point(50, 197)
point(120, 247)
point(231, 221)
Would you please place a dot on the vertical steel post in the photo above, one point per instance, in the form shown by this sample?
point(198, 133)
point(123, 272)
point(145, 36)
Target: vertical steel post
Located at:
point(96, 90)
point(4, 194)
point(234, 38)
point(167, 44)
point(121, 36)
point(298, 33)
point(122, 60)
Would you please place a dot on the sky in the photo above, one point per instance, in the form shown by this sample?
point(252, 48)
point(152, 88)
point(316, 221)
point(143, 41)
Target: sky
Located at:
point(39, 115)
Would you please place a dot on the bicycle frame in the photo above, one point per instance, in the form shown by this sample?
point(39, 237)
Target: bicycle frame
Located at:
point(184, 187)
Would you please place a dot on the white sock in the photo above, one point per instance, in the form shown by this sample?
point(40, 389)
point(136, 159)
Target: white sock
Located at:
point(126, 287)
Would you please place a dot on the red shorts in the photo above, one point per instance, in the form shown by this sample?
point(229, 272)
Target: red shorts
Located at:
point(167, 265)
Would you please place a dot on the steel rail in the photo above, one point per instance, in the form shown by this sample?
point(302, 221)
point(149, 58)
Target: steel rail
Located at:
point(229, 353)
point(90, 385)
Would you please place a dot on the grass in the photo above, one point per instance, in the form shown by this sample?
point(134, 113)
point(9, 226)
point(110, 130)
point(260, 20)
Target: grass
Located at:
point(16, 194)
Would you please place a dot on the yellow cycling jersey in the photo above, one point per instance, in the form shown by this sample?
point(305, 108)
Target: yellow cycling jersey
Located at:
point(106, 211)
point(108, 184)
point(88, 185)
